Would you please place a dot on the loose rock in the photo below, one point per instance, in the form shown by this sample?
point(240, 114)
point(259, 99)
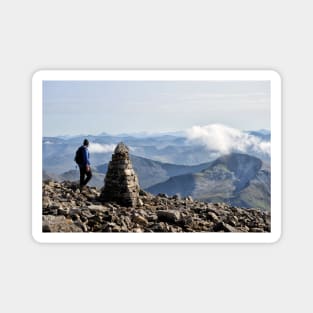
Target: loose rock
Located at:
point(64, 210)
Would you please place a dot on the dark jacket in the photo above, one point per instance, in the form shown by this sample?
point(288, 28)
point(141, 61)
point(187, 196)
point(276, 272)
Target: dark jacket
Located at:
point(86, 156)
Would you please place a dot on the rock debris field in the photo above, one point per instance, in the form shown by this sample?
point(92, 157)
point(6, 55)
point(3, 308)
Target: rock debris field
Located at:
point(66, 208)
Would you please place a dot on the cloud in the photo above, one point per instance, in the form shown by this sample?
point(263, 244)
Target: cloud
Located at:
point(101, 148)
point(222, 139)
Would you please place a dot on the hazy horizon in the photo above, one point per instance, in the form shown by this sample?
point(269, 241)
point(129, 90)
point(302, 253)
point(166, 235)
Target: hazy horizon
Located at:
point(145, 133)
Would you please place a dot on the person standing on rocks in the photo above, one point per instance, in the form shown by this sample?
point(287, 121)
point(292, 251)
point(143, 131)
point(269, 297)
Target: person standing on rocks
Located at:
point(83, 160)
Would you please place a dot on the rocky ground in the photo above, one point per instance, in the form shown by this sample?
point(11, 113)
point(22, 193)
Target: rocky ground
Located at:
point(66, 208)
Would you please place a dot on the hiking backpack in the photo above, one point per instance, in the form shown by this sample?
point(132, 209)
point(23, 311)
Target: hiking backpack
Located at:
point(79, 159)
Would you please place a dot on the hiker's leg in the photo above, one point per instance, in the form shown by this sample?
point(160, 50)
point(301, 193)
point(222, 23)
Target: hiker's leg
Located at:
point(89, 175)
point(82, 176)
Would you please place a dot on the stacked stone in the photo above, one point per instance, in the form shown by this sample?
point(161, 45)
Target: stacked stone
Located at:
point(121, 182)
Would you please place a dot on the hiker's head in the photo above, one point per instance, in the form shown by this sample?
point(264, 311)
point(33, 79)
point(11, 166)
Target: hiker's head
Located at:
point(86, 142)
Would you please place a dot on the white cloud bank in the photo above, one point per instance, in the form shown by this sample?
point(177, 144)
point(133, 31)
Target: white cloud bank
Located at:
point(101, 148)
point(223, 139)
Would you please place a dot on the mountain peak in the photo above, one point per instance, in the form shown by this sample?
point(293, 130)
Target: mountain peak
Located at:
point(238, 179)
point(239, 163)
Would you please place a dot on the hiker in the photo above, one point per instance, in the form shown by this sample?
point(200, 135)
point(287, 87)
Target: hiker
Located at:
point(82, 159)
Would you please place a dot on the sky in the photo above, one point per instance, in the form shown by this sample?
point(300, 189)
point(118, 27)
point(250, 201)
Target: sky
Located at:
point(115, 107)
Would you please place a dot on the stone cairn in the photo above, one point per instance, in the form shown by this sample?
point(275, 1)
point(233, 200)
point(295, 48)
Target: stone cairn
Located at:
point(121, 182)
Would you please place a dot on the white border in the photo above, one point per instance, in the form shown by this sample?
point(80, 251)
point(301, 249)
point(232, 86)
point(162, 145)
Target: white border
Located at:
point(189, 75)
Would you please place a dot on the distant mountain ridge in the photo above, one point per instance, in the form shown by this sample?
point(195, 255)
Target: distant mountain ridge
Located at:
point(58, 152)
point(149, 172)
point(237, 179)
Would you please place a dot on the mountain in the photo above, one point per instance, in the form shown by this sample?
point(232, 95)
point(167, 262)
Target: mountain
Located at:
point(152, 172)
point(149, 172)
point(237, 179)
point(175, 148)
point(171, 163)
